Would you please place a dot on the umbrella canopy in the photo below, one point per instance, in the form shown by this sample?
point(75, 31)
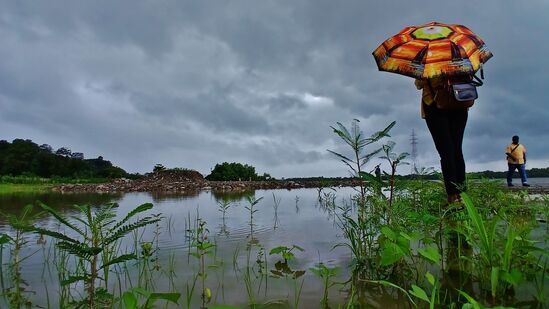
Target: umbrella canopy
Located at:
point(432, 50)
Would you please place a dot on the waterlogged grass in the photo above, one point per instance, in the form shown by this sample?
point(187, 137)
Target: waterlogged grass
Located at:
point(9, 188)
point(53, 180)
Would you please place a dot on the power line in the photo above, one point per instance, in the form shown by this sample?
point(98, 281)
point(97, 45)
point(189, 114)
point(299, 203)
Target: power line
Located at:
point(413, 141)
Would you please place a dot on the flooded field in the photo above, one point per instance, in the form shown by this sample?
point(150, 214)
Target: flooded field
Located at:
point(306, 248)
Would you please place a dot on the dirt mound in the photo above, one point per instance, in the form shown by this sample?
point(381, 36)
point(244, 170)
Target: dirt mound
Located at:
point(172, 176)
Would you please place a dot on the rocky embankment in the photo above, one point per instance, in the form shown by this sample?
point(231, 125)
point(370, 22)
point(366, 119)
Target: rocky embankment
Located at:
point(184, 181)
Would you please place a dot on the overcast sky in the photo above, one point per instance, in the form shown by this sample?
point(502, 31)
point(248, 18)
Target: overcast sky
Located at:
point(195, 83)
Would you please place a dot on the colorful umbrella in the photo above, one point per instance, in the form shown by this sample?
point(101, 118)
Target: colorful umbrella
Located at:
point(432, 50)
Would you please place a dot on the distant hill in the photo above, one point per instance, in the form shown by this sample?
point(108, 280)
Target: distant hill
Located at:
point(24, 157)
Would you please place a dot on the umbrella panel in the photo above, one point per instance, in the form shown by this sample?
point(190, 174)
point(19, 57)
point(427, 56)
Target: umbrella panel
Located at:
point(432, 50)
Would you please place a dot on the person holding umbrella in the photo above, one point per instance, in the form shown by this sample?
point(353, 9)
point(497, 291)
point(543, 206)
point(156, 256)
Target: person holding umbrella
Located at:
point(439, 56)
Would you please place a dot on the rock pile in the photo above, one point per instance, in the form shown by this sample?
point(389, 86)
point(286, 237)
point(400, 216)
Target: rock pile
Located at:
point(188, 181)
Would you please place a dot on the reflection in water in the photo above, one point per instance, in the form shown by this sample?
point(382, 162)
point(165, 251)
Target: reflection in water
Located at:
point(159, 197)
point(276, 203)
point(63, 202)
point(232, 196)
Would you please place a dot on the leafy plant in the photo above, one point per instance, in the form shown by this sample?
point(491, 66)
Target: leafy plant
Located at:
point(132, 296)
point(285, 252)
point(96, 233)
point(394, 160)
point(326, 274)
point(21, 224)
point(356, 140)
point(204, 247)
point(283, 269)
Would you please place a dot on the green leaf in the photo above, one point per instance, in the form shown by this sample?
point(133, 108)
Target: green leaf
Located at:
point(471, 300)
point(278, 250)
point(430, 278)
point(59, 218)
point(120, 259)
point(130, 301)
point(419, 293)
point(391, 254)
point(514, 277)
point(55, 235)
point(4, 239)
point(171, 297)
point(299, 248)
point(73, 279)
point(494, 278)
point(431, 253)
point(387, 283)
point(389, 233)
point(138, 209)
point(124, 230)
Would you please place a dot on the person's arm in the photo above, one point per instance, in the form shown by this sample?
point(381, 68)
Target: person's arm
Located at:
point(524, 154)
point(508, 153)
point(419, 84)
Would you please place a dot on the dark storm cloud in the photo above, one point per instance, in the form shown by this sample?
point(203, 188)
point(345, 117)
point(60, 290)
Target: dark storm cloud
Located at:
point(194, 83)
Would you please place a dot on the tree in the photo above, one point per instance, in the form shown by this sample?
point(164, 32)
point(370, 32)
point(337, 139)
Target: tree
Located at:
point(77, 155)
point(232, 172)
point(46, 148)
point(23, 157)
point(158, 167)
point(63, 151)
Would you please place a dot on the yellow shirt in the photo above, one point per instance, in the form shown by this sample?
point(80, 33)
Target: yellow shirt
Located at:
point(517, 155)
point(426, 96)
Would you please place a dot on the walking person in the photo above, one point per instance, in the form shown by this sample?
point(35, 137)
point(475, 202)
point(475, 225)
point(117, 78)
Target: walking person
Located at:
point(516, 159)
point(447, 127)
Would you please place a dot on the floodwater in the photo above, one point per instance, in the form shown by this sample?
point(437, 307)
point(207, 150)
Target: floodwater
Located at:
point(298, 220)
point(283, 218)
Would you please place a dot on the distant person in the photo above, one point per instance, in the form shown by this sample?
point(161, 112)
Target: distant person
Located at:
point(516, 159)
point(378, 172)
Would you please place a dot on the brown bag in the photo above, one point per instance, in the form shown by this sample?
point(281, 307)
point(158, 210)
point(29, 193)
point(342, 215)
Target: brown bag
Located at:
point(446, 100)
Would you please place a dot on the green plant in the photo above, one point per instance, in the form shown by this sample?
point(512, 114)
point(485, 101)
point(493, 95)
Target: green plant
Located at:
point(200, 241)
point(283, 269)
point(132, 296)
point(21, 225)
point(96, 232)
point(394, 160)
point(326, 274)
point(356, 140)
point(252, 201)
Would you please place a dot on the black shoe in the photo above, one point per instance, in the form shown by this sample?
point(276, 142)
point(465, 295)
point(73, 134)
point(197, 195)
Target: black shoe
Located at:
point(525, 185)
point(510, 185)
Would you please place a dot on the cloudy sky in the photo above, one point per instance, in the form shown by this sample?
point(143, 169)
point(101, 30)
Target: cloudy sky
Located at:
point(194, 83)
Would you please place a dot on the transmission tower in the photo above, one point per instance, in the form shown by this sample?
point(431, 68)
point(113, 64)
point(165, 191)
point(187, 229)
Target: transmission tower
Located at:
point(413, 141)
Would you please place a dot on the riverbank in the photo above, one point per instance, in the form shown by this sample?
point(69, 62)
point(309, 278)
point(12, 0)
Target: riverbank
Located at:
point(22, 188)
point(188, 181)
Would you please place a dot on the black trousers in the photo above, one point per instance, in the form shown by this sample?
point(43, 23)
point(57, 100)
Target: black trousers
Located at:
point(447, 128)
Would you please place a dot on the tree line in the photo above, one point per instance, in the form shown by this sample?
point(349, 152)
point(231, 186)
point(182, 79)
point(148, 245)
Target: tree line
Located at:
point(23, 157)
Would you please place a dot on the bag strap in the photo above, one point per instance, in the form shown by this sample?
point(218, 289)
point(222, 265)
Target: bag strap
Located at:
point(477, 81)
point(515, 148)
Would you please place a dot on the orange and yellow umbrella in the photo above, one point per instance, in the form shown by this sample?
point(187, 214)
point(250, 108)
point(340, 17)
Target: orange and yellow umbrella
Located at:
point(432, 50)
